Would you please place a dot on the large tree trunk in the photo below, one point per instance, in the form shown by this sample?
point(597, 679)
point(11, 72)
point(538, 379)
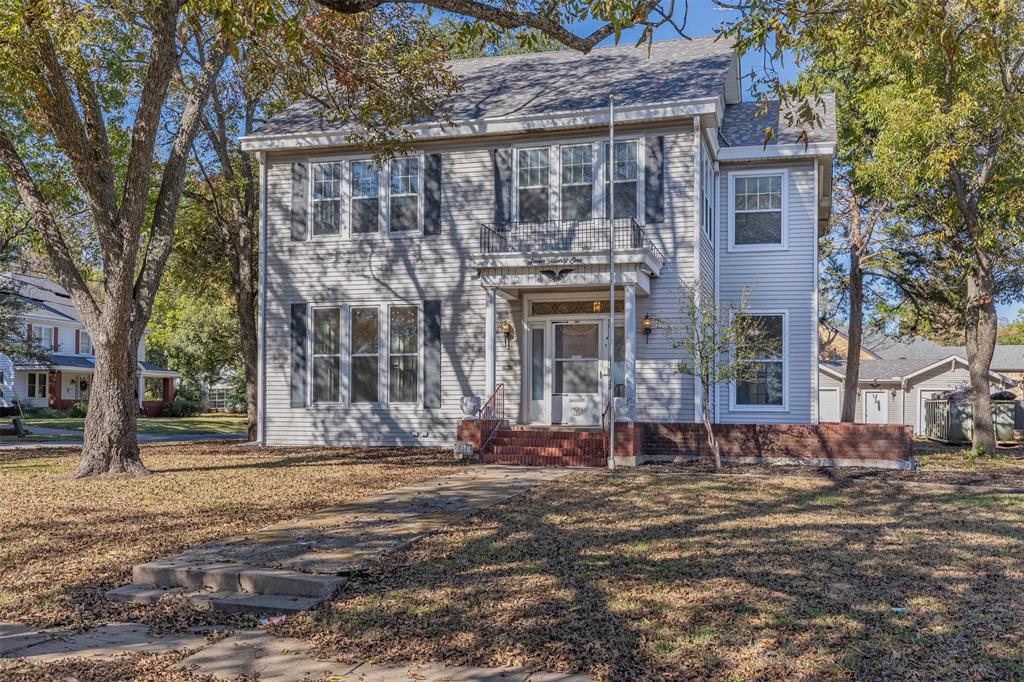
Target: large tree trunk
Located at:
point(856, 315)
point(110, 446)
point(243, 280)
point(981, 343)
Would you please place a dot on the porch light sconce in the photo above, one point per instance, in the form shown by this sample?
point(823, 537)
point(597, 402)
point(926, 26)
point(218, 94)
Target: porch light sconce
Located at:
point(506, 328)
point(892, 393)
point(648, 328)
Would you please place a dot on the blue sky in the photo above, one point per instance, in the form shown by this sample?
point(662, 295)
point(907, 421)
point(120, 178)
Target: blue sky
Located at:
point(702, 20)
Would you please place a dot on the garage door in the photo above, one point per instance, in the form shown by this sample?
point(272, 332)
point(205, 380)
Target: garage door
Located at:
point(828, 404)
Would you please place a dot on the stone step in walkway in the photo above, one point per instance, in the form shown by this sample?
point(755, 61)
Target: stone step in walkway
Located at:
point(294, 565)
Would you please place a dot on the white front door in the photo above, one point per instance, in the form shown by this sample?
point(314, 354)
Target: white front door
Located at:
point(577, 373)
point(876, 407)
point(828, 404)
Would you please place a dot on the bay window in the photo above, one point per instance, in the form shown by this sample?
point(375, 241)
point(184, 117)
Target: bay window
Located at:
point(405, 184)
point(403, 354)
point(534, 190)
point(326, 199)
point(764, 386)
point(365, 202)
point(365, 361)
point(326, 355)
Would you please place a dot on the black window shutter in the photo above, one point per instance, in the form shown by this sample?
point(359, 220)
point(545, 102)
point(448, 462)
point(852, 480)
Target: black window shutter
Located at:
point(432, 195)
point(502, 162)
point(299, 361)
point(299, 187)
point(431, 353)
point(654, 180)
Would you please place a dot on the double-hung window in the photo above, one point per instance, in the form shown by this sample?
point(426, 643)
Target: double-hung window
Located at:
point(624, 173)
point(577, 182)
point(42, 338)
point(37, 384)
point(326, 355)
point(405, 195)
point(764, 385)
point(757, 210)
point(534, 190)
point(84, 343)
point(365, 357)
point(326, 199)
point(403, 353)
point(365, 201)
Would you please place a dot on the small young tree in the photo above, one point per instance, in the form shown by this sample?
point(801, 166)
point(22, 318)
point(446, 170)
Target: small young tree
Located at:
point(718, 343)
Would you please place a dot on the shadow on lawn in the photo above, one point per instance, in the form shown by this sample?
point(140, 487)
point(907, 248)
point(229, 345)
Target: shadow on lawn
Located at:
point(645, 577)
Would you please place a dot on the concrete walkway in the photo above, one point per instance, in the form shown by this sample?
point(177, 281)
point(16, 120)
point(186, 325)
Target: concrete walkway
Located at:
point(293, 565)
point(277, 564)
point(252, 653)
point(76, 440)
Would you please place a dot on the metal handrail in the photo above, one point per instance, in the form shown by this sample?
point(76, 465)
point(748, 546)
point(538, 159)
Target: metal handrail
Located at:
point(564, 235)
point(617, 392)
point(493, 409)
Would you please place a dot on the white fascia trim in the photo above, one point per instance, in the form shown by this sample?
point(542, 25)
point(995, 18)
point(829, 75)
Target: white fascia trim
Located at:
point(501, 124)
point(778, 151)
point(834, 372)
point(952, 358)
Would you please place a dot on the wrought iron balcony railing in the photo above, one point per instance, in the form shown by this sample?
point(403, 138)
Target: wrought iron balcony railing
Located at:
point(564, 236)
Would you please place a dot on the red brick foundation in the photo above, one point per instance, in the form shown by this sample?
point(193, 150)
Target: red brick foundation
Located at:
point(847, 443)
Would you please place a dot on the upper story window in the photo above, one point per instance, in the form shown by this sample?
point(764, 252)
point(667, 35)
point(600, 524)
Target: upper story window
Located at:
point(326, 199)
point(84, 343)
point(625, 176)
point(42, 338)
point(405, 187)
point(757, 210)
point(534, 185)
point(577, 186)
point(708, 191)
point(766, 387)
point(365, 205)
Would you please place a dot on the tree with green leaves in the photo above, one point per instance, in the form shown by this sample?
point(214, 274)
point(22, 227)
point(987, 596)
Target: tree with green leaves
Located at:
point(944, 96)
point(718, 341)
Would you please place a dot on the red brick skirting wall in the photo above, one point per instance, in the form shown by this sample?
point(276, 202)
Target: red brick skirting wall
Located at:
point(890, 442)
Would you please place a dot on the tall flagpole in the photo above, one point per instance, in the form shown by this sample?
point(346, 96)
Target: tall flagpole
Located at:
point(610, 173)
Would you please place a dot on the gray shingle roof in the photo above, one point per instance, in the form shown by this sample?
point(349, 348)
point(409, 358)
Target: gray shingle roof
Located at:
point(562, 81)
point(46, 299)
point(744, 124)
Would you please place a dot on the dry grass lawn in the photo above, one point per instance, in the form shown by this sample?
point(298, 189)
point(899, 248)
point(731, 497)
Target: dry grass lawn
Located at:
point(661, 574)
point(64, 542)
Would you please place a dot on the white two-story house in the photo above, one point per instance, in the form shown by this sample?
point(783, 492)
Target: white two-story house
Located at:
point(478, 264)
point(50, 320)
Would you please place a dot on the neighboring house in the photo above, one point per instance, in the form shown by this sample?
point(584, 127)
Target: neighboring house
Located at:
point(478, 264)
point(897, 376)
point(51, 319)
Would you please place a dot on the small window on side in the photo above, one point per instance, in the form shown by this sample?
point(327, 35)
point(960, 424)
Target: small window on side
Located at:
point(757, 210)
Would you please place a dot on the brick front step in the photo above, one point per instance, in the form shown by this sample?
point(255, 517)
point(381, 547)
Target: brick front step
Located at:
point(544, 447)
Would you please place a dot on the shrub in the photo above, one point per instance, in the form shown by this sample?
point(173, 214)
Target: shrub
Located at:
point(78, 409)
point(180, 407)
point(44, 413)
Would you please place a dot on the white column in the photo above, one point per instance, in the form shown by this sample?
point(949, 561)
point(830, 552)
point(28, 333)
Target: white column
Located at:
point(630, 351)
point(490, 349)
point(142, 386)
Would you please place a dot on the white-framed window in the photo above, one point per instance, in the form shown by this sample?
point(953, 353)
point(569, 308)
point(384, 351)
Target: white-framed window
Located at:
point(37, 383)
point(624, 171)
point(326, 199)
point(534, 190)
point(84, 343)
point(405, 195)
point(708, 191)
point(365, 355)
point(364, 205)
point(403, 354)
point(326, 355)
point(757, 210)
point(767, 388)
point(576, 191)
point(42, 338)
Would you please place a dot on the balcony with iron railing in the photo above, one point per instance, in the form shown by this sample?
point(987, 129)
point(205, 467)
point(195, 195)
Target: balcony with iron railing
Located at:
point(566, 237)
